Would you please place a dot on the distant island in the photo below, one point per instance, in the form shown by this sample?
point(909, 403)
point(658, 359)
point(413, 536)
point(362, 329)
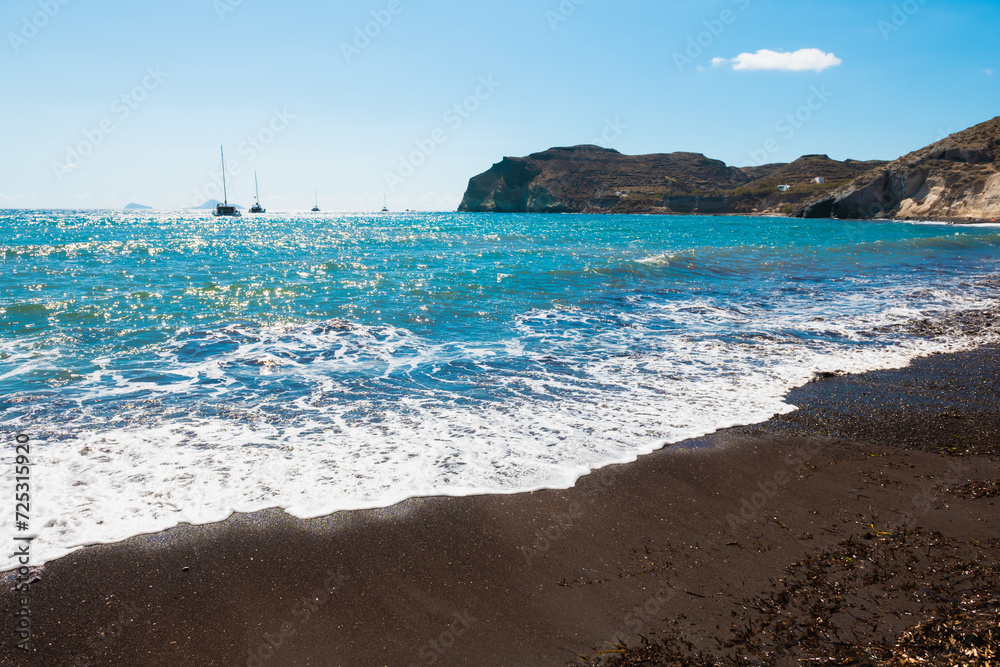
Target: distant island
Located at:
point(955, 178)
point(138, 207)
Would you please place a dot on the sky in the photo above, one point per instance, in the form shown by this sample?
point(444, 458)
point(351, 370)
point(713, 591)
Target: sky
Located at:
point(107, 103)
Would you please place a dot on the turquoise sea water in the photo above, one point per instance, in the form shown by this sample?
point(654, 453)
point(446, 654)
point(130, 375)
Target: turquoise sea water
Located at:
point(175, 367)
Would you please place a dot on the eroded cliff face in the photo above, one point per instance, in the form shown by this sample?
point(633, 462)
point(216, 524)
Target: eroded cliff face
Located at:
point(938, 199)
point(590, 179)
point(956, 178)
point(510, 187)
point(600, 180)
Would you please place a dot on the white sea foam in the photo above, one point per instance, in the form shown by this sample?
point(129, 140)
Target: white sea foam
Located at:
point(567, 406)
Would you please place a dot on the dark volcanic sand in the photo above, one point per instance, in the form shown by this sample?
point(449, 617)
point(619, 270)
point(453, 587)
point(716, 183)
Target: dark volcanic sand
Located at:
point(828, 533)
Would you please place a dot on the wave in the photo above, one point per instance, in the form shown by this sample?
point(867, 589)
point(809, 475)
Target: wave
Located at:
point(334, 415)
point(746, 260)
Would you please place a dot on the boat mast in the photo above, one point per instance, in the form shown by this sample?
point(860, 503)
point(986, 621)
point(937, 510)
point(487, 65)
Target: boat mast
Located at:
point(256, 187)
point(225, 194)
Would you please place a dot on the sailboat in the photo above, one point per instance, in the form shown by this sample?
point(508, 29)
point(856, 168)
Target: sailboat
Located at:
point(316, 207)
point(224, 209)
point(385, 204)
point(256, 205)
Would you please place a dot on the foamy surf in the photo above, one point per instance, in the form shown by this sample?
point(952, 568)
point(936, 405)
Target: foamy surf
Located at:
point(456, 383)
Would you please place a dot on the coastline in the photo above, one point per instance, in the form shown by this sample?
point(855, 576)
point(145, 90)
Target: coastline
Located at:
point(672, 543)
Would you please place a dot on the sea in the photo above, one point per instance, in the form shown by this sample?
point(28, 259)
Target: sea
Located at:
point(172, 367)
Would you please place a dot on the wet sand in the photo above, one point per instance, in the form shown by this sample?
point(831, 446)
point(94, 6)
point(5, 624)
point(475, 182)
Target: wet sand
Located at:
point(829, 531)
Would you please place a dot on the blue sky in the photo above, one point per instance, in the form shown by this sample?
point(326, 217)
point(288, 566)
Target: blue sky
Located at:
point(112, 102)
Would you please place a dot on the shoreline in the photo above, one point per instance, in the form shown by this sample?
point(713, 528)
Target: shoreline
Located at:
point(679, 537)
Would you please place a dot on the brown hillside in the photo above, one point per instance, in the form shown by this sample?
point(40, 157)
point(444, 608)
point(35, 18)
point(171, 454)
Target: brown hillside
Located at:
point(590, 179)
point(955, 178)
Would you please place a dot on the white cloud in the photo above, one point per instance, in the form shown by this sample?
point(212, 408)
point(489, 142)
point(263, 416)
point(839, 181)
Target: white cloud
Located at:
point(988, 72)
point(784, 61)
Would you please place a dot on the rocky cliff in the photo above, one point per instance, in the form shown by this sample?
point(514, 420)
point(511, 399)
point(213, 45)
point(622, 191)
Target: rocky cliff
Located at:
point(590, 179)
point(955, 178)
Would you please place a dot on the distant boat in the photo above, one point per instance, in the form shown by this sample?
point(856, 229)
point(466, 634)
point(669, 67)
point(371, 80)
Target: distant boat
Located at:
point(385, 204)
point(315, 208)
point(256, 205)
point(224, 209)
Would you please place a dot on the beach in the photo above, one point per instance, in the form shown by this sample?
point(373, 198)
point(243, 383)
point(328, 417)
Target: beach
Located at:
point(341, 335)
point(882, 471)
